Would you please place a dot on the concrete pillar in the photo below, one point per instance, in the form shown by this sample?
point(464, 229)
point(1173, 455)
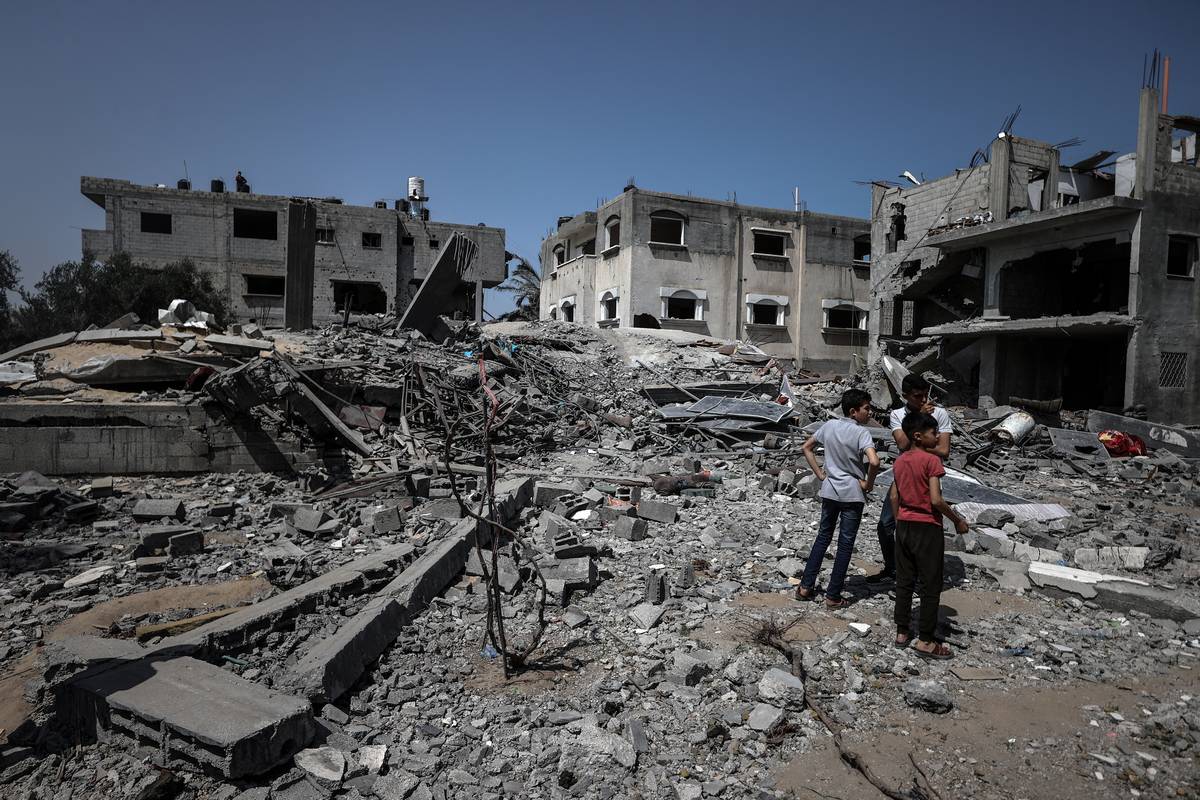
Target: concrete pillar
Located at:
point(1000, 160)
point(301, 266)
point(1147, 138)
point(1050, 189)
point(478, 301)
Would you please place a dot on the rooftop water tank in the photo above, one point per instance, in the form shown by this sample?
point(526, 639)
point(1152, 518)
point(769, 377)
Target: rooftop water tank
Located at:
point(416, 188)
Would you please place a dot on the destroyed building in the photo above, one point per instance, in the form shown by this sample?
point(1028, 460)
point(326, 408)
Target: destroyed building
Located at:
point(297, 261)
point(1034, 279)
point(794, 283)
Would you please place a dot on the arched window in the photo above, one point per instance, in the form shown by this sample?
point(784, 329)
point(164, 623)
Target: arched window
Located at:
point(682, 303)
point(567, 307)
point(560, 255)
point(609, 304)
point(766, 309)
point(612, 232)
point(666, 227)
point(844, 315)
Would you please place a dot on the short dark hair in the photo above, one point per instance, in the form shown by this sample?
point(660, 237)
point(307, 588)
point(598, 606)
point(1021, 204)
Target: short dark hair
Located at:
point(913, 383)
point(918, 421)
point(852, 399)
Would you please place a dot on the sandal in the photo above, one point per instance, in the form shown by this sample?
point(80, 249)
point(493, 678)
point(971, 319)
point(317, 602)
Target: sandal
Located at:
point(834, 603)
point(903, 639)
point(940, 652)
point(805, 594)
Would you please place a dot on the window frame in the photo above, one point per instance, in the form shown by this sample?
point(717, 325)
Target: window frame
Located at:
point(331, 232)
point(378, 237)
point(1192, 243)
point(861, 317)
point(784, 237)
point(250, 227)
point(611, 246)
point(673, 217)
point(247, 278)
point(559, 252)
point(608, 296)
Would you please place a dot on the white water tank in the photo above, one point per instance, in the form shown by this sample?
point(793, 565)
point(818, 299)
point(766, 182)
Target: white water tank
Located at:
point(416, 188)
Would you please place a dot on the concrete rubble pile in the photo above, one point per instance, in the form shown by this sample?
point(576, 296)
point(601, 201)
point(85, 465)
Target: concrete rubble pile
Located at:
point(321, 632)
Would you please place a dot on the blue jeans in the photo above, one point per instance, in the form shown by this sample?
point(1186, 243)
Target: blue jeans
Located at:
point(851, 515)
point(886, 530)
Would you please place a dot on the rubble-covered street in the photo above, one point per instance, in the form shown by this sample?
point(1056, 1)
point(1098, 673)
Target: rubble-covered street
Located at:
point(544, 560)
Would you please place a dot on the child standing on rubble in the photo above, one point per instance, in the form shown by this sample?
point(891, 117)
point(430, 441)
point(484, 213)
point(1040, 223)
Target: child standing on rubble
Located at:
point(918, 506)
point(847, 442)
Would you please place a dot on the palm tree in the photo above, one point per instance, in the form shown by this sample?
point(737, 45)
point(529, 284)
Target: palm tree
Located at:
point(526, 284)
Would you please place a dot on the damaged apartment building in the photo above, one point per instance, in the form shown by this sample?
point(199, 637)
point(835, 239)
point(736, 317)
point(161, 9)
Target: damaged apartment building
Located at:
point(794, 283)
point(1030, 279)
point(294, 261)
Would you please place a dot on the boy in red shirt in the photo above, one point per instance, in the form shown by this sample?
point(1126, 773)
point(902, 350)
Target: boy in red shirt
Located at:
point(917, 504)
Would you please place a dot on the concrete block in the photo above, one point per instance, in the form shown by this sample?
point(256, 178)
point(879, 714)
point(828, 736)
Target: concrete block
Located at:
point(544, 494)
point(308, 519)
point(148, 510)
point(656, 511)
point(150, 564)
point(185, 544)
point(198, 715)
point(386, 519)
point(630, 528)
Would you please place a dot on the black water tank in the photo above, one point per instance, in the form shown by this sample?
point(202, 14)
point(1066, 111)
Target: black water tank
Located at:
point(217, 185)
point(183, 184)
point(425, 214)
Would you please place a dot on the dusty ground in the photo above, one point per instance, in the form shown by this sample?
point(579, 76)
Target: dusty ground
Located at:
point(1016, 744)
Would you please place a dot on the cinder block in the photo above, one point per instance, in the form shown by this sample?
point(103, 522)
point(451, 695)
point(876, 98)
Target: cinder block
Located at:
point(656, 511)
point(630, 528)
point(147, 510)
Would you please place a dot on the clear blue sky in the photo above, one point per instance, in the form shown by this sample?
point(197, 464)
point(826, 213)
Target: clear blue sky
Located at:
point(515, 113)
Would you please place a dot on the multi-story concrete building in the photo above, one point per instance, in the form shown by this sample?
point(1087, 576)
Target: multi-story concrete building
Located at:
point(370, 258)
point(1036, 280)
point(795, 283)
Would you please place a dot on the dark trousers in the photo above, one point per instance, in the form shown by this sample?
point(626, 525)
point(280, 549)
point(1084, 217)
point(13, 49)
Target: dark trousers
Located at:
point(920, 549)
point(886, 531)
point(850, 515)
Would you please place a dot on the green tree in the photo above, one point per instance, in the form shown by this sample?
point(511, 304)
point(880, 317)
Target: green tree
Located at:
point(526, 284)
point(9, 269)
point(76, 294)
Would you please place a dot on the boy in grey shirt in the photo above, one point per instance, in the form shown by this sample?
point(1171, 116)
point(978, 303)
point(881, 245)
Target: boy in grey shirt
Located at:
point(843, 489)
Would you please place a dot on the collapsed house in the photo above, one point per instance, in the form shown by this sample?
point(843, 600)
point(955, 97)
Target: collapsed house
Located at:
point(1031, 279)
point(294, 261)
point(794, 283)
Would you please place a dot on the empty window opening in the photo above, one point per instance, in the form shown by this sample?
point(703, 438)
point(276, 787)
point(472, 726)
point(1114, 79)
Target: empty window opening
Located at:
point(359, 297)
point(1067, 282)
point(406, 241)
point(588, 248)
point(568, 312)
point(1181, 256)
point(769, 244)
point(608, 306)
point(252, 223)
point(265, 285)
point(846, 318)
point(1172, 370)
point(896, 230)
point(1086, 371)
point(862, 248)
point(765, 314)
point(156, 223)
point(560, 255)
point(434, 244)
point(612, 233)
point(372, 241)
point(666, 228)
point(681, 308)
point(645, 321)
point(325, 236)
point(554, 313)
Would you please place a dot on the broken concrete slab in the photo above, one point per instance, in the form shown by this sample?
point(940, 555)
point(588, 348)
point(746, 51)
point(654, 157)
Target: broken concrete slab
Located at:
point(1133, 558)
point(237, 345)
point(198, 715)
point(117, 335)
point(436, 290)
point(1179, 440)
point(1078, 444)
point(251, 624)
point(49, 342)
point(1114, 592)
